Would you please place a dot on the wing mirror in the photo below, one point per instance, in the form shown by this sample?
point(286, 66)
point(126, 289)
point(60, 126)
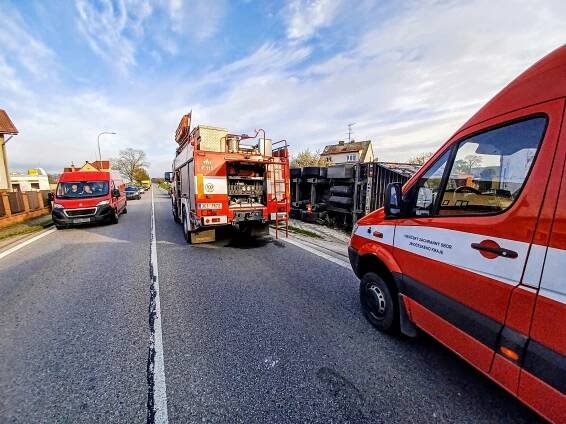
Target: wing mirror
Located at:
point(393, 200)
point(115, 192)
point(50, 196)
point(168, 176)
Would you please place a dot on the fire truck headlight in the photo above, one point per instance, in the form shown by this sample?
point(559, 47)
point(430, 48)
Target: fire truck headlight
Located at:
point(57, 206)
point(102, 203)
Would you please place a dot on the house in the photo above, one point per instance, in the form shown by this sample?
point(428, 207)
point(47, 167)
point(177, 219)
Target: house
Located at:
point(351, 152)
point(7, 128)
point(97, 165)
point(35, 179)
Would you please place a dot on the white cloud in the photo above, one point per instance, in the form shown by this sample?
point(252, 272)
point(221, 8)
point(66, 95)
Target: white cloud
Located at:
point(305, 17)
point(409, 81)
point(200, 18)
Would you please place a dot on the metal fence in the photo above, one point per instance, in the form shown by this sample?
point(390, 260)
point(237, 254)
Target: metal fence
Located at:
point(16, 201)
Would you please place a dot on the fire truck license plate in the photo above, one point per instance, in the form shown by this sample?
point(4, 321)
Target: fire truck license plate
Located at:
point(210, 206)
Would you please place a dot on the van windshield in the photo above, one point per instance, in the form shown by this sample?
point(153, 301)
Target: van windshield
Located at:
point(82, 189)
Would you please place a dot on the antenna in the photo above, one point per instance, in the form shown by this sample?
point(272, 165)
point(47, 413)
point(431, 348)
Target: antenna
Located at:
point(350, 125)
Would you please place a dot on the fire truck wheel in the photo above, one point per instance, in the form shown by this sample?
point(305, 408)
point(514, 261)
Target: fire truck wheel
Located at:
point(176, 216)
point(378, 303)
point(125, 211)
point(186, 231)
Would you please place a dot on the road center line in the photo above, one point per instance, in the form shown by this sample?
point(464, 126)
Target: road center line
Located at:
point(156, 394)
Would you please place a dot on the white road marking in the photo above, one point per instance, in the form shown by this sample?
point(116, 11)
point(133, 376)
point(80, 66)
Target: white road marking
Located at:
point(317, 252)
point(156, 340)
point(25, 243)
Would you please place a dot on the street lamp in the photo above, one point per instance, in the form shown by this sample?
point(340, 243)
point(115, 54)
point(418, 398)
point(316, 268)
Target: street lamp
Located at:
point(98, 142)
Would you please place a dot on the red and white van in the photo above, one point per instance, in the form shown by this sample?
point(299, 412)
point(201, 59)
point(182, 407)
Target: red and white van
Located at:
point(84, 197)
point(472, 249)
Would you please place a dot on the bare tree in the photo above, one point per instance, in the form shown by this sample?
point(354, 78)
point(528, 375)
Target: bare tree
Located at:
point(420, 158)
point(129, 161)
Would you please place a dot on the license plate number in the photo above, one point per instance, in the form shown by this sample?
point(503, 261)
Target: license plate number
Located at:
point(210, 206)
point(81, 220)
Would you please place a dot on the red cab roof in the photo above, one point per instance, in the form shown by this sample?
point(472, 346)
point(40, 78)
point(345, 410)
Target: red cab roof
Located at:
point(84, 176)
point(545, 80)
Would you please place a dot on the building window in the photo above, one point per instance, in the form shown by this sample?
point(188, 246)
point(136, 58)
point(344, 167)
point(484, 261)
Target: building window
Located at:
point(351, 157)
point(35, 186)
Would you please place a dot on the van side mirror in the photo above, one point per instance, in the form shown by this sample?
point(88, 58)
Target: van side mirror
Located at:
point(168, 176)
point(50, 196)
point(393, 204)
point(115, 192)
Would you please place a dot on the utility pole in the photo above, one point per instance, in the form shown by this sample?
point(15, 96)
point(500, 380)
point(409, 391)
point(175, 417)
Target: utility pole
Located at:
point(350, 125)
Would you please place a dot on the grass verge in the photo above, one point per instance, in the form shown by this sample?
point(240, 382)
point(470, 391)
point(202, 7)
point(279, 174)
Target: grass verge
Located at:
point(303, 232)
point(30, 226)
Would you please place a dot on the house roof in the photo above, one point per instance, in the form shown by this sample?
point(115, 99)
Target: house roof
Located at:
point(6, 125)
point(343, 147)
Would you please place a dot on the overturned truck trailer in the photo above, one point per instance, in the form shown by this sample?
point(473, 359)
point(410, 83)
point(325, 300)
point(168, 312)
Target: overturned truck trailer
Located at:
point(222, 179)
point(341, 194)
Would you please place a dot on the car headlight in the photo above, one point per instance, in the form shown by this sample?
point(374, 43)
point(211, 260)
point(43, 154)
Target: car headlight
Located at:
point(103, 202)
point(58, 206)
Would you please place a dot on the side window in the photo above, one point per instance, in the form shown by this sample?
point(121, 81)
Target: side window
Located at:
point(428, 187)
point(490, 169)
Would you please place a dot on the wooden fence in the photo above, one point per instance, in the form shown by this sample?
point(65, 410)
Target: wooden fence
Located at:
point(18, 206)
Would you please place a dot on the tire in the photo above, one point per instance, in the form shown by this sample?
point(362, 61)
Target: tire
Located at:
point(115, 217)
point(125, 210)
point(175, 214)
point(60, 227)
point(379, 305)
point(186, 232)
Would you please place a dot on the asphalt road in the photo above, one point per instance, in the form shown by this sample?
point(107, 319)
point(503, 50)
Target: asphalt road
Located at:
point(252, 332)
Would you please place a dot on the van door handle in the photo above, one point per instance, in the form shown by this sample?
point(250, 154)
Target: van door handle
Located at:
point(491, 248)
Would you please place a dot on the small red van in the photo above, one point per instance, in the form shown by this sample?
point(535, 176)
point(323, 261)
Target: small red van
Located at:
point(472, 249)
point(84, 197)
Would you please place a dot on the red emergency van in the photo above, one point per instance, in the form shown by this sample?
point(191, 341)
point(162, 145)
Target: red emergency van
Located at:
point(471, 250)
point(84, 197)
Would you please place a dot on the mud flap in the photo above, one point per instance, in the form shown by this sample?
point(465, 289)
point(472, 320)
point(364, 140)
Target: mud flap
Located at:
point(407, 327)
point(205, 236)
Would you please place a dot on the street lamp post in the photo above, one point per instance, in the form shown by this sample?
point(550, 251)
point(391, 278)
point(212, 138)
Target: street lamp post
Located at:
point(98, 142)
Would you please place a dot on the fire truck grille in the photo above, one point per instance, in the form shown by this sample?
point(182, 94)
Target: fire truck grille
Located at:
point(80, 212)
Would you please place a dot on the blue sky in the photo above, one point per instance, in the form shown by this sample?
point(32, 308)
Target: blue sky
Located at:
point(407, 73)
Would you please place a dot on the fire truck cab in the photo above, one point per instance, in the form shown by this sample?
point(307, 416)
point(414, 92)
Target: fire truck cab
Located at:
point(222, 179)
point(471, 250)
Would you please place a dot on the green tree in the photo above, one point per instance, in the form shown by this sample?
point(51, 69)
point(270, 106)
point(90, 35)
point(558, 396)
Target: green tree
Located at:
point(140, 174)
point(466, 165)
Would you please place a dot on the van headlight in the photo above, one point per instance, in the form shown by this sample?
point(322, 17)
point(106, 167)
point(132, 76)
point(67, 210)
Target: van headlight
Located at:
point(103, 202)
point(58, 206)
point(354, 228)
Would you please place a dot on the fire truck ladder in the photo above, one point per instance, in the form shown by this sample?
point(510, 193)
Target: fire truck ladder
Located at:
point(279, 180)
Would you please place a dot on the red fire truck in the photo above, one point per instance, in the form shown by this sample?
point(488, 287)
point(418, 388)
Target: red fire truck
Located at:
point(223, 179)
point(472, 249)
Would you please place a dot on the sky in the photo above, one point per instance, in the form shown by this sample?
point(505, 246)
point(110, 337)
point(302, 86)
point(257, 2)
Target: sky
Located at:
point(407, 73)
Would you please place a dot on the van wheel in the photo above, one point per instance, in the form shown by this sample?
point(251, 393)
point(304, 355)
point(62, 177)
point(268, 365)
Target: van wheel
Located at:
point(186, 232)
point(378, 304)
point(115, 217)
point(60, 227)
